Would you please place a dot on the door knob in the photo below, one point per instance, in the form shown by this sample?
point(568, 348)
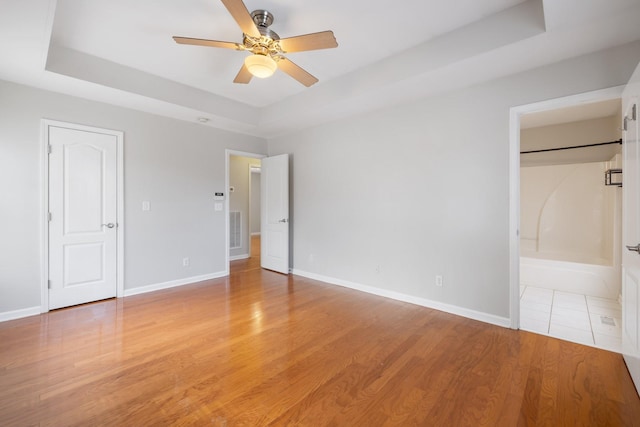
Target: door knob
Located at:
point(110, 225)
point(283, 220)
point(635, 248)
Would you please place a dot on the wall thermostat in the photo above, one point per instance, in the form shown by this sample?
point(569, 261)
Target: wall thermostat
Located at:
point(218, 196)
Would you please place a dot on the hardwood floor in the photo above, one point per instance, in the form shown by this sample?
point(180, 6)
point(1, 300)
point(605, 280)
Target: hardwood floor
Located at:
point(261, 348)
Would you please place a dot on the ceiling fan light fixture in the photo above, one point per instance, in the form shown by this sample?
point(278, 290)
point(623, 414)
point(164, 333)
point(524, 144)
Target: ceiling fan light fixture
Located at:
point(261, 66)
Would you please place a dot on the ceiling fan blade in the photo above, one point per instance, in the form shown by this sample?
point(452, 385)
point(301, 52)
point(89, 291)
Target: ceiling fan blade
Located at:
point(296, 72)
point(205, 42)
point(322, 40)
point(239, 11)
point(244, 76)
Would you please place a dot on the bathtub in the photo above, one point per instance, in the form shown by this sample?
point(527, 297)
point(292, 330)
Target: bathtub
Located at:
point(595, 277)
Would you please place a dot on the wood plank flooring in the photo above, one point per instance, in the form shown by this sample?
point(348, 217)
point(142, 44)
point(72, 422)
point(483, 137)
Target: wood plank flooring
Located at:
point(259, 348)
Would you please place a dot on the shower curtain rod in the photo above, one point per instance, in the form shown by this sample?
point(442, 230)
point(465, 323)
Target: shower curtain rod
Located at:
point(571, 148)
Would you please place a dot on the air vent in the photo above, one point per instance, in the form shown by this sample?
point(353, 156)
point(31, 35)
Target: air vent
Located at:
point(235, 230)
point(609, 321)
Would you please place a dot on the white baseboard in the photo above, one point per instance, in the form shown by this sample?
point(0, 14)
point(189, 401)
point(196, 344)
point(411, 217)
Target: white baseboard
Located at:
point(173, 283)
point(32, 311)
point(448, 308)
point(257, 233)
point(237, 257)
point(18, 314)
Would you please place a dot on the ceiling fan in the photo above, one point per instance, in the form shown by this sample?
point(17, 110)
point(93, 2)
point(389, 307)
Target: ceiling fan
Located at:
point(266, 47)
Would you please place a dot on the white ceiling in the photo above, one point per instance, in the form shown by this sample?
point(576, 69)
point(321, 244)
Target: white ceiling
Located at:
point(121, 52)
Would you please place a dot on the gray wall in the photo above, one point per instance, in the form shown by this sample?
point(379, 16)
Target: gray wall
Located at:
point(175, 165)
point(582, 132)
point(393, 198)
point(255, 203)
point(387, 199)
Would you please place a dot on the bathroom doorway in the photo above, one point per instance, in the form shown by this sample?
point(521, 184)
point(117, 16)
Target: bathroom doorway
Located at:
point(569, 221)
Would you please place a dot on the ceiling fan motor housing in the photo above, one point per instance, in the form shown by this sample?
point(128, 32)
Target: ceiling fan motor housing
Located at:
point(263, 19)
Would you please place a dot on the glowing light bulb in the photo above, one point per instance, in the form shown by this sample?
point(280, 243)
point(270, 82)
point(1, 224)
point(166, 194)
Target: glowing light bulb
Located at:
point(261, 66)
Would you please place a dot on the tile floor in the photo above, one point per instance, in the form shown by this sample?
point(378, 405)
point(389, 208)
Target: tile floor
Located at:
point(577, 318)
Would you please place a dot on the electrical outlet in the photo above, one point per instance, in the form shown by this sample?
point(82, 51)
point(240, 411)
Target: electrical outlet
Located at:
point(185, 262)
point(439, 281)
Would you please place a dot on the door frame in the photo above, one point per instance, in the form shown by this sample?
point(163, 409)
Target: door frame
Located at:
point(228, 154)
point(44, 150)
point(514, 179)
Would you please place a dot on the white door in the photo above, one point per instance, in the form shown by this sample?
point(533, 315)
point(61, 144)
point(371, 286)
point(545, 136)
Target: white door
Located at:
point(83, 216)
point(631, 230)
point(274, 204)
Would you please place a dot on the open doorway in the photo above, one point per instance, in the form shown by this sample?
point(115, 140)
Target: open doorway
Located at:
point(566, 236)
point(243, 210)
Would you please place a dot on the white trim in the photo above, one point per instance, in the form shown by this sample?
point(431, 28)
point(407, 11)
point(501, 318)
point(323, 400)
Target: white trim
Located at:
point(228, 154)
point(174, 283)
point(237, 257)
point(120, 214)
point(33, 311)
point(448, 308)
point(514, 180)
point(44, 211)
point(514, 218)
point(18, 314)
point(257, 233)
point(44, 208)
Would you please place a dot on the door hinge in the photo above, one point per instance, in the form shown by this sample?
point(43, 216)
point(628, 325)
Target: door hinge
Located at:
point(634, 116)
point(49, 149)
point(49, 216)
point(49, 284)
